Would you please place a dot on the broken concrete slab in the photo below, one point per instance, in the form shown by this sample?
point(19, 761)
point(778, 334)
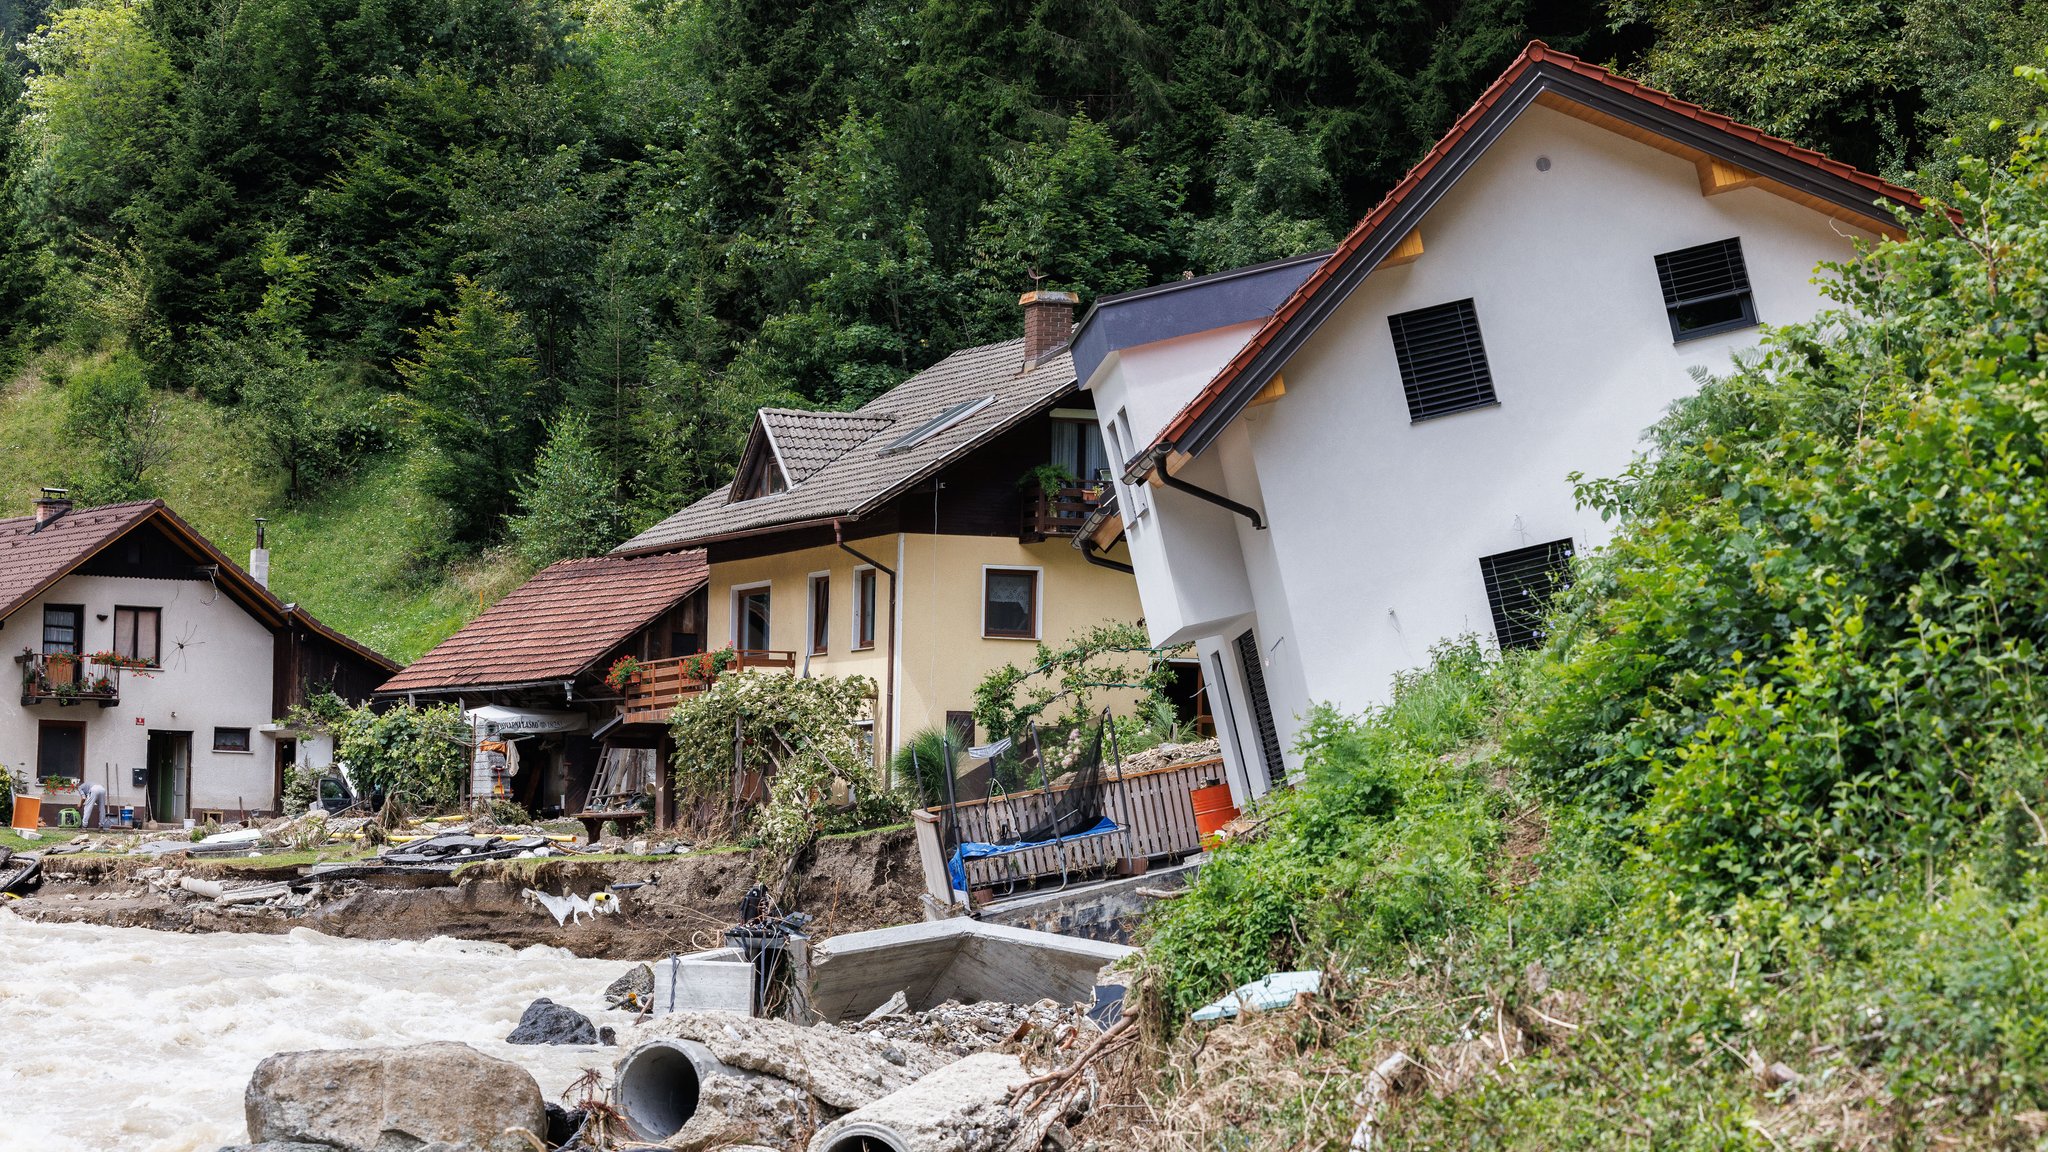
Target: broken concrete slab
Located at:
point(718, 980)
point(963, 1107)
point(957, 959)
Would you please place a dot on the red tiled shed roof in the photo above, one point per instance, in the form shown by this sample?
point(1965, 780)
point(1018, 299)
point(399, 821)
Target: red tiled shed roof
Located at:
point(1537, 53)
point(557, 624)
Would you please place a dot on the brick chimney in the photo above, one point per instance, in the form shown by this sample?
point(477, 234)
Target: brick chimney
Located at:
point(55, 503)
point(1048, 322)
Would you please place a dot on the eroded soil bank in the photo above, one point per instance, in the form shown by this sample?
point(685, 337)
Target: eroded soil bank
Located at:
point(683, 902)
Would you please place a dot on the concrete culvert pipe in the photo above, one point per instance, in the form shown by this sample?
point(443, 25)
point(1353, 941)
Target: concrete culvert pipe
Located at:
point(658, 1084)
point(962, 1107)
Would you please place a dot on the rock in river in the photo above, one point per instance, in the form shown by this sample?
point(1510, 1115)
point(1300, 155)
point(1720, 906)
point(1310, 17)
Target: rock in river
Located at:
point(546, 1022)
point(373, 1099)
point(633, 992)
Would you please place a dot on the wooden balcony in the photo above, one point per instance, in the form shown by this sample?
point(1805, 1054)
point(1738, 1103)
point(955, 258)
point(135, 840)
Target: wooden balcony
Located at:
point(67, 678)
point(1154, 807)
point(662, 684)
point(1047, 515)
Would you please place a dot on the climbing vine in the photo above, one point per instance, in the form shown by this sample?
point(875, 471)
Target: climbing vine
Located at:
point(802, 735)
point(1109, 656)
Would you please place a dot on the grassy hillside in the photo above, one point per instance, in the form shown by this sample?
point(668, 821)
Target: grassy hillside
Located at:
point(342, 555)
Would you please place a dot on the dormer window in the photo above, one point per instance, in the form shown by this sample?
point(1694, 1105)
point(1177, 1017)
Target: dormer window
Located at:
point(763, 477)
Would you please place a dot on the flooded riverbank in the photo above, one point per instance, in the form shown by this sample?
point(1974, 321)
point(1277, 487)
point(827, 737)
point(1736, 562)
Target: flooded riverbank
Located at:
point(142, 1041)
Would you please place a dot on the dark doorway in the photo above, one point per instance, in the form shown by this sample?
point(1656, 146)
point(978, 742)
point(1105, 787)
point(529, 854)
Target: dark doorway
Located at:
point(287, 758)
point(170, 776)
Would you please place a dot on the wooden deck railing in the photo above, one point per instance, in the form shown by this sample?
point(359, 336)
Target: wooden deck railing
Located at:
point(1060, 513)
point(662, 684)
point(1153, 806)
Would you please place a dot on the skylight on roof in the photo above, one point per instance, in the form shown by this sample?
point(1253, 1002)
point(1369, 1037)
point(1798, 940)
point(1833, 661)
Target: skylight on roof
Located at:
point(937, 424)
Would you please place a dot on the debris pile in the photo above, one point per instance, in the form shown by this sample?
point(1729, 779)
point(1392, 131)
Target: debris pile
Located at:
point(461, 847)
point(1170, 755)
point(962, 1029)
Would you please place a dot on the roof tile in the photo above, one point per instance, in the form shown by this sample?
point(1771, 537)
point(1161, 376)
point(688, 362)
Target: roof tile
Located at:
point(557, 624)
point(860, 478)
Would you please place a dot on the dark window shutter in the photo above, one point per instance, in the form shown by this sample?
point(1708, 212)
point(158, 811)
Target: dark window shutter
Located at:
point(1706, 289)
point(1262, 708)
point(1519, 586)
point(1443, 360)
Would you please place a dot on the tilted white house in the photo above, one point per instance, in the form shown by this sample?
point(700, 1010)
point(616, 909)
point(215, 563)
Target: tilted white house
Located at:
point(1330, 465)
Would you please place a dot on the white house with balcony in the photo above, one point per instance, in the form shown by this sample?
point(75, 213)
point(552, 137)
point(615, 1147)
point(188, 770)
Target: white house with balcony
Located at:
point(149, 663)
point(1330, 465)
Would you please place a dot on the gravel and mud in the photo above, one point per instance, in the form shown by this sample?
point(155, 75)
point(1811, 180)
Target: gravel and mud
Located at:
point(683, 903)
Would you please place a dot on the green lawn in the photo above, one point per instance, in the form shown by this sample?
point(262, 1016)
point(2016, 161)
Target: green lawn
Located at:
point(342, 555)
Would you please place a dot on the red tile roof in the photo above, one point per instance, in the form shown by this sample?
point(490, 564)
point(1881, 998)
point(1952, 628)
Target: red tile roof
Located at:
point(557, 624)
point(32, 559)
point(1535, 54)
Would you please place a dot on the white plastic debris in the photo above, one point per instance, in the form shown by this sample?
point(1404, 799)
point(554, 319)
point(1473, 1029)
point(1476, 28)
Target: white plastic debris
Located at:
point(1266, 994)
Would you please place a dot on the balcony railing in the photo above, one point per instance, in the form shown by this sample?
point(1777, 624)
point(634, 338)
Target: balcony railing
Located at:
point(660, 685)
point(67, 678)
point(1060, 513)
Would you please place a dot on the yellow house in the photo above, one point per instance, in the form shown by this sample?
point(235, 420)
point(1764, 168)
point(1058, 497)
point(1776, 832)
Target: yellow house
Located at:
point(922, 540)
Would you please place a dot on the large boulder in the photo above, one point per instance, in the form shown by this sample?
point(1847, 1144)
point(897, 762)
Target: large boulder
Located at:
point(546, 1022)
point(388, 1099)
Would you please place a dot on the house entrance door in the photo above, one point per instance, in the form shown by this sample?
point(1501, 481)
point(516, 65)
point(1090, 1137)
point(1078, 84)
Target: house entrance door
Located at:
point(170, 772)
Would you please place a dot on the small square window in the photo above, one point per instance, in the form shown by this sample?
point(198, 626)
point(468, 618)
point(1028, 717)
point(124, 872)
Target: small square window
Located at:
point(1442, 360)
point(1706, 289)
point(138, 634)
point(1519, 588)
point(1009, 605)
point(231, 740)
point(62, 626)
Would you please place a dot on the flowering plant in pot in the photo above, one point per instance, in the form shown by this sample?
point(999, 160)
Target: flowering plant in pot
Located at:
point(624, 671)
point(707, 665)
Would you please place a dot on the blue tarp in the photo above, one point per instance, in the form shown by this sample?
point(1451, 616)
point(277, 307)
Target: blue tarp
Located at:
point(956, 865)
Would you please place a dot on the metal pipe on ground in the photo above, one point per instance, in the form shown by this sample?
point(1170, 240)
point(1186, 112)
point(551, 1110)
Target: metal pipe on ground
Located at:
point(659, 1083)
point(963, 1107)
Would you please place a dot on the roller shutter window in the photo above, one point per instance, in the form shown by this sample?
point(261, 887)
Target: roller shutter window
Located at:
point(1442, 359)
point(1706, 289)
point(1262, 707)
point(1519, 588)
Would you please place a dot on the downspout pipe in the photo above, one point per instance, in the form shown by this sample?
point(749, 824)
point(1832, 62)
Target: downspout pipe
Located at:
point(889, 661)
point(1089, 554)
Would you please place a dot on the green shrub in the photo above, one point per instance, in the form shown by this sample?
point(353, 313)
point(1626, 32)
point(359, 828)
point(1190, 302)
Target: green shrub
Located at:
point(1385, 842)
point(301, 789)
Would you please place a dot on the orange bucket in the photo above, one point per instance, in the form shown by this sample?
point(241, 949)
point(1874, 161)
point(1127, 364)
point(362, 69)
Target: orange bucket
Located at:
point(28, 812)
point(1213, 810)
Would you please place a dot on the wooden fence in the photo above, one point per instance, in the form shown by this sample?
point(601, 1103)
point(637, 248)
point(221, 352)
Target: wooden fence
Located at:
point(1154, 808)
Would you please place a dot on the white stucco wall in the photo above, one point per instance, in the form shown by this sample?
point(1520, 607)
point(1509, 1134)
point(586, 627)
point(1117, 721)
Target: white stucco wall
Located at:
point(216, 673)
point(1377, 523)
